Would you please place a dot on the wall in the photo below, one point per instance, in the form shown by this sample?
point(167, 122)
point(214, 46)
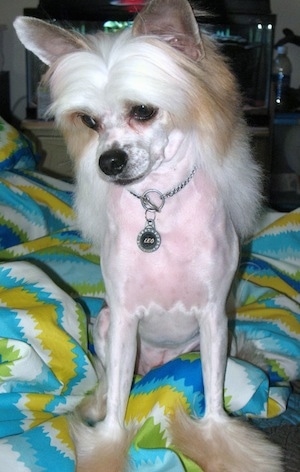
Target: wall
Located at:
point(14, 55)
point(288, 12)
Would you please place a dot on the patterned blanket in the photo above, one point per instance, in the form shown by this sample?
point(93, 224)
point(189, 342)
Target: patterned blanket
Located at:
point(51, 288)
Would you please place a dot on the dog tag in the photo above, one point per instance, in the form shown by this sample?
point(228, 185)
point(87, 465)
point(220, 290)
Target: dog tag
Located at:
point(148, 239)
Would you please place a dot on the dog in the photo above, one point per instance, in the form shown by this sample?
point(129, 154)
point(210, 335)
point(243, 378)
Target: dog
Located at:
point(167, 189)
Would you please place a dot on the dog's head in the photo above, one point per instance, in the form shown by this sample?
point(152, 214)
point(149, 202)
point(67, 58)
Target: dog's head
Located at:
point(132, 101)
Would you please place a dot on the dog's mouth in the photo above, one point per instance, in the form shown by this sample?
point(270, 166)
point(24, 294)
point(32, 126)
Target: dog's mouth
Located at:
point(123, 179)
point(124, 182)
point(116, 166)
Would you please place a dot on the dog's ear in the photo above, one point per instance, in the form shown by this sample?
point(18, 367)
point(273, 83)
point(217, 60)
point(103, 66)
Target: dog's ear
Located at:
point(46, 41)
point(173, 21)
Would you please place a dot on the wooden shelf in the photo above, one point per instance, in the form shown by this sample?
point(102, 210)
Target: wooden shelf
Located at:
point(51, 146)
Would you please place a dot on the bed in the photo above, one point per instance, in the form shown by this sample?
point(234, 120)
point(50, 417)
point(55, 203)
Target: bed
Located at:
point(51, 290)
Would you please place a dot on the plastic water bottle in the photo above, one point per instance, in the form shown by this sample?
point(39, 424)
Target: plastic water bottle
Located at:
point(281, 75)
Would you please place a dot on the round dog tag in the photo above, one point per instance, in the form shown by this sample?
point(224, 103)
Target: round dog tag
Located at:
point(148, 239)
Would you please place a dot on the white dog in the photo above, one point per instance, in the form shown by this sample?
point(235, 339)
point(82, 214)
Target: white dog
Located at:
point(166, 187)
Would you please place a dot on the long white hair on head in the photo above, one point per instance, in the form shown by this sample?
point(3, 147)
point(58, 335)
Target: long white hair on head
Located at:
point(146, 70)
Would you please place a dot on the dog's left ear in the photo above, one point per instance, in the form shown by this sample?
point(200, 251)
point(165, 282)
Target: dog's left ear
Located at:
point(173, 21)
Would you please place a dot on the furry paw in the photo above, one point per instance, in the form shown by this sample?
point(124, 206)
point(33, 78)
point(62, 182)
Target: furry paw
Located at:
point(225, 445)
point(99, 448)
point(93, 407)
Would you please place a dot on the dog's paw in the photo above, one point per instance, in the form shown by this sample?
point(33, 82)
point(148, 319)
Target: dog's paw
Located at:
point(100, 448)
point(92, 408)
point(247, 350)
point(225, 445)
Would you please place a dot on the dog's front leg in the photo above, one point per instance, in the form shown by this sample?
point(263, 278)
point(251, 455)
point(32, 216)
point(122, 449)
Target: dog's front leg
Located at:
point(217, 442)
point(213, 348)
point(104, 447)
point(121, 357)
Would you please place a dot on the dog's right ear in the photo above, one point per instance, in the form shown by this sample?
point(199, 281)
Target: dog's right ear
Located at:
point(48, 42)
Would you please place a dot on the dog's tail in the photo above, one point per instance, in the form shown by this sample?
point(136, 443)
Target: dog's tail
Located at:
point(224, 444)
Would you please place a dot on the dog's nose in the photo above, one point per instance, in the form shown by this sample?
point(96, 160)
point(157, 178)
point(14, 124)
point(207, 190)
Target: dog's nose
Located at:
point(112, 162)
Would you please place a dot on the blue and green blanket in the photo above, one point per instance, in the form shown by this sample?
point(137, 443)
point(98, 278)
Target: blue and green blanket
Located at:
point(51, 288)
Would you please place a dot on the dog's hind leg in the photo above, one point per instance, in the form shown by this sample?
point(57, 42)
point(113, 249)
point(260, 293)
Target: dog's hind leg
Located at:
point(93, 407)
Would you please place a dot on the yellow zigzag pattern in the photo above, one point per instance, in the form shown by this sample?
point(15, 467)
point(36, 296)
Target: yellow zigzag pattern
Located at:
point(141, 405)
point(47, 199)
point(44, 318)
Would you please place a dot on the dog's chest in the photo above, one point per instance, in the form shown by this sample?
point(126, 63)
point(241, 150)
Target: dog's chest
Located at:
point(196, 236)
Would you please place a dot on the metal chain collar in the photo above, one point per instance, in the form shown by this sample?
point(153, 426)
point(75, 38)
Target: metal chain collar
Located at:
point(150, 205)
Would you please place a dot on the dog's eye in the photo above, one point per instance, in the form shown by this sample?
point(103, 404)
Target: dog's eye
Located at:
point(143, 112)
point(89, 121)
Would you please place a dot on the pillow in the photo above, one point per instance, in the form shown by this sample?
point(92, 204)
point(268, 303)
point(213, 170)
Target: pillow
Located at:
point(15, 149)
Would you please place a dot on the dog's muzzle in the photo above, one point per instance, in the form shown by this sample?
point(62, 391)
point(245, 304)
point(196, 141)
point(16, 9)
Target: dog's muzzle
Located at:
point(113, 161)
